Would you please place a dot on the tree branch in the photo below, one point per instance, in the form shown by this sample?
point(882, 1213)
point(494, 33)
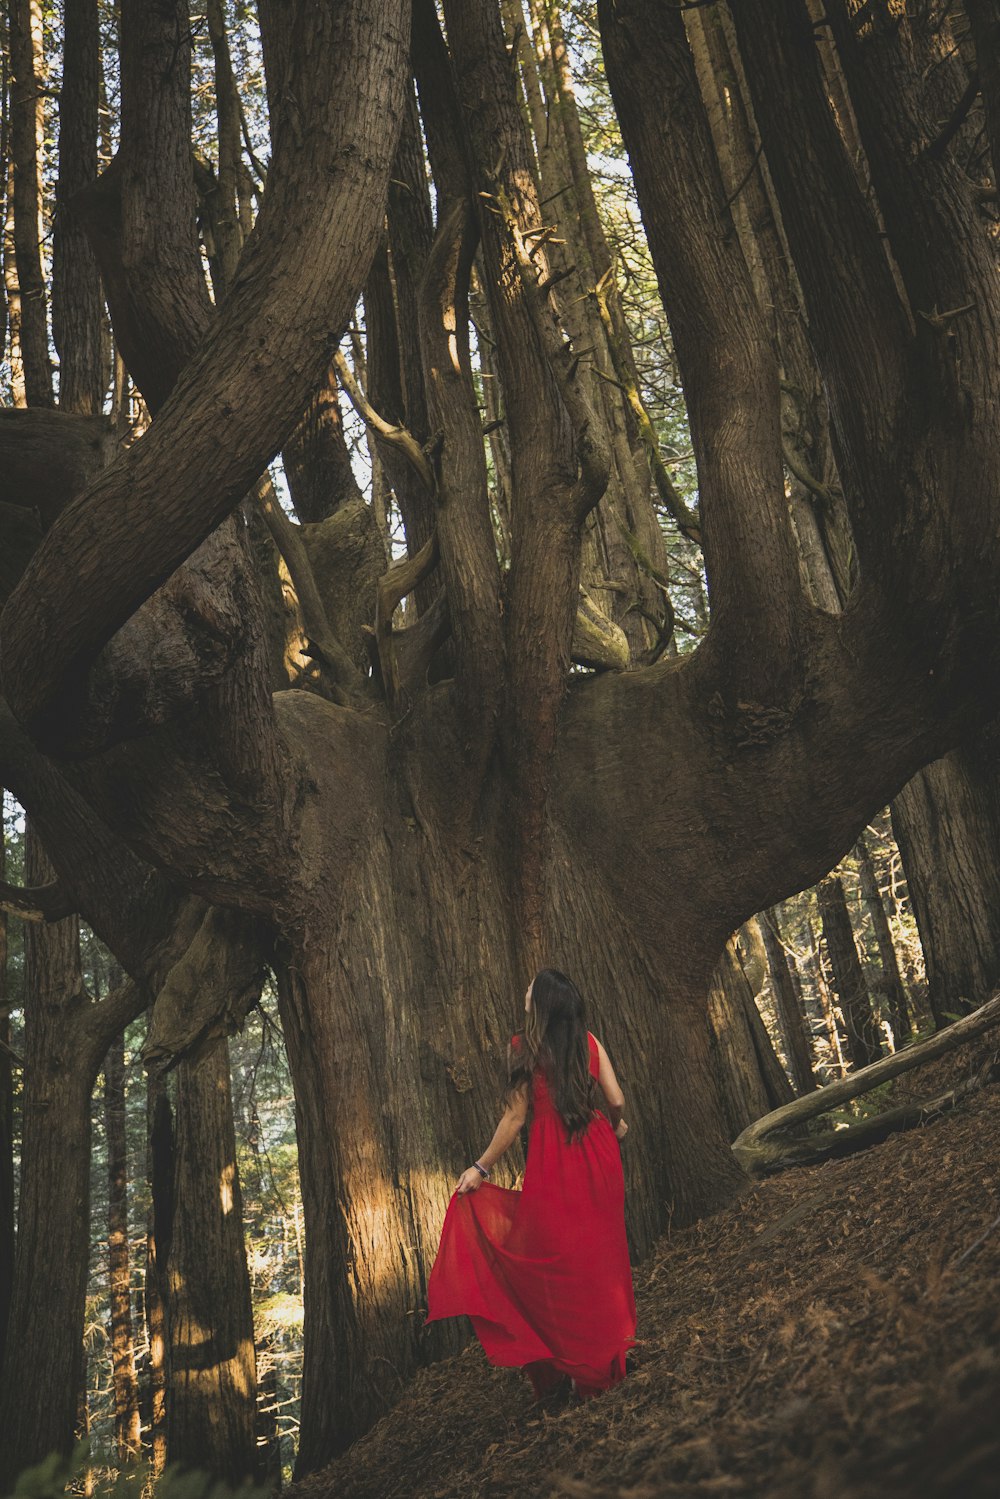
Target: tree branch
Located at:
point(323, 643)
point(723, 349)
point(36, 903)
point(390, 432)
point(224, 420)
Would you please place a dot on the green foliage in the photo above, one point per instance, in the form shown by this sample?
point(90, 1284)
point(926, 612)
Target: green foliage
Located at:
point(57, 1474)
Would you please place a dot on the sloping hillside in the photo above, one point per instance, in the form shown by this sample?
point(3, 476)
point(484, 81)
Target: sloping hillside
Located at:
point(833, 1335)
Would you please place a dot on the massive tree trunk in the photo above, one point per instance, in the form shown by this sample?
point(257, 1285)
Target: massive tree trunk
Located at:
point(201, 1264)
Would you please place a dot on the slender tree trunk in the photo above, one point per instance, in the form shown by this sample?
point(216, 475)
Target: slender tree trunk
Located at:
point(892, 984)
point(77, 300)
point(268, 1435)
point(158, 1176)
point(946, 822)
point(848, 974)
point(12, 293)
point(27, 129)
point(796, 1035)
point(201, 1258)
point(6, 1118)
point(126, 1389)
point(43, 1363)
point(750, 1077)
point(835, 1040)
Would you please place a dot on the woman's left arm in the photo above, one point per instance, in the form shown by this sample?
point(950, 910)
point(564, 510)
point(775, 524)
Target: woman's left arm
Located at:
point(504, 1136)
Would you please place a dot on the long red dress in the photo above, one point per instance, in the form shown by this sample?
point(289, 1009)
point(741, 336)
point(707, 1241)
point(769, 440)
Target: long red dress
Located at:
point(544, 1273)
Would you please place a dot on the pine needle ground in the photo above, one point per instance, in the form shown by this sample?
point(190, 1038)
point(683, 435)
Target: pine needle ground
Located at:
point(834, 1334)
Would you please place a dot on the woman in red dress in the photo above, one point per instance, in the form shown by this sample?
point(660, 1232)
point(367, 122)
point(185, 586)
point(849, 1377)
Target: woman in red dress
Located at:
point(544, 1273)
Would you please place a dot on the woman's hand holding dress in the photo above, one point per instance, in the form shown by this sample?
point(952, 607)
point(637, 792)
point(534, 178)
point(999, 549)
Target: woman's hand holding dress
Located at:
point(470, 1180)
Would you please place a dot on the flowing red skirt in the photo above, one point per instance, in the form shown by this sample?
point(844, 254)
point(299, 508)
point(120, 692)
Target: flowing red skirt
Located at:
point(544, 1273)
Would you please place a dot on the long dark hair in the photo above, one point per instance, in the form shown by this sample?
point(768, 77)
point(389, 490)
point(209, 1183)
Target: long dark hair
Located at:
point(554, 1042)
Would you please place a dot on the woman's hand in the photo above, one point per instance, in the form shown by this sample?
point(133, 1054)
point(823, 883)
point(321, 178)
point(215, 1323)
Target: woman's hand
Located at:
point(469, 1181)
point(621, 1129)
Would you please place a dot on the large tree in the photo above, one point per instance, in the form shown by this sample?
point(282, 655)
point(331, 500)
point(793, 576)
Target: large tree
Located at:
point(404, 844)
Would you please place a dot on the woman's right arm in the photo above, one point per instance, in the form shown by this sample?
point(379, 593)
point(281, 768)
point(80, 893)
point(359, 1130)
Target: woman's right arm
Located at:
point(609, 1086)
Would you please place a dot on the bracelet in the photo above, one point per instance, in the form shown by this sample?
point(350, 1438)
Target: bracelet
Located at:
point(482, 1171)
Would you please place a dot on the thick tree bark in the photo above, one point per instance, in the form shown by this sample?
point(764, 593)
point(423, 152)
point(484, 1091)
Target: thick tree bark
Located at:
point(946, 822)
point(201, 1264)
point(848, 974)
point(124, 1383)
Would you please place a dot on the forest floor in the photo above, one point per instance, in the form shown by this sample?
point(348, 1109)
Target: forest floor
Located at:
point(834, 1334)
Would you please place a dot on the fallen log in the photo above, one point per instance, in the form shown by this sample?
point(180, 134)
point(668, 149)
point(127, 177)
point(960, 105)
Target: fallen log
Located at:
point(777, 1141)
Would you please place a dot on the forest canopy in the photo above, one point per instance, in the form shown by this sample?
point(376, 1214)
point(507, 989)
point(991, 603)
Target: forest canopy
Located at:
point(482, 485)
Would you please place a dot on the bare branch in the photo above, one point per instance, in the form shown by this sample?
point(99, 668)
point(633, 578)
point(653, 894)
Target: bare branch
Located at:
point(391, 432)
point(323, 642)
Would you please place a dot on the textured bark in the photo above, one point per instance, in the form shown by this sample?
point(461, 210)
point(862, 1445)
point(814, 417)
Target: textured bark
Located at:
point(124, 1383)
point(795, 1032)
point(26, 138)
point(848, 974)
point(946, 822)
point(77, 300)
point(201, 1264)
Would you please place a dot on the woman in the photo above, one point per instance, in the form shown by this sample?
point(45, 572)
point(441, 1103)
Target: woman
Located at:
point(544, 1273)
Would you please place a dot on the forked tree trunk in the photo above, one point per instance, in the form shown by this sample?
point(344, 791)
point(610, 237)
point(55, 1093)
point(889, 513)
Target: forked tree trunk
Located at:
point(125, 1385)
point(946, 822)
point(201, 1259)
